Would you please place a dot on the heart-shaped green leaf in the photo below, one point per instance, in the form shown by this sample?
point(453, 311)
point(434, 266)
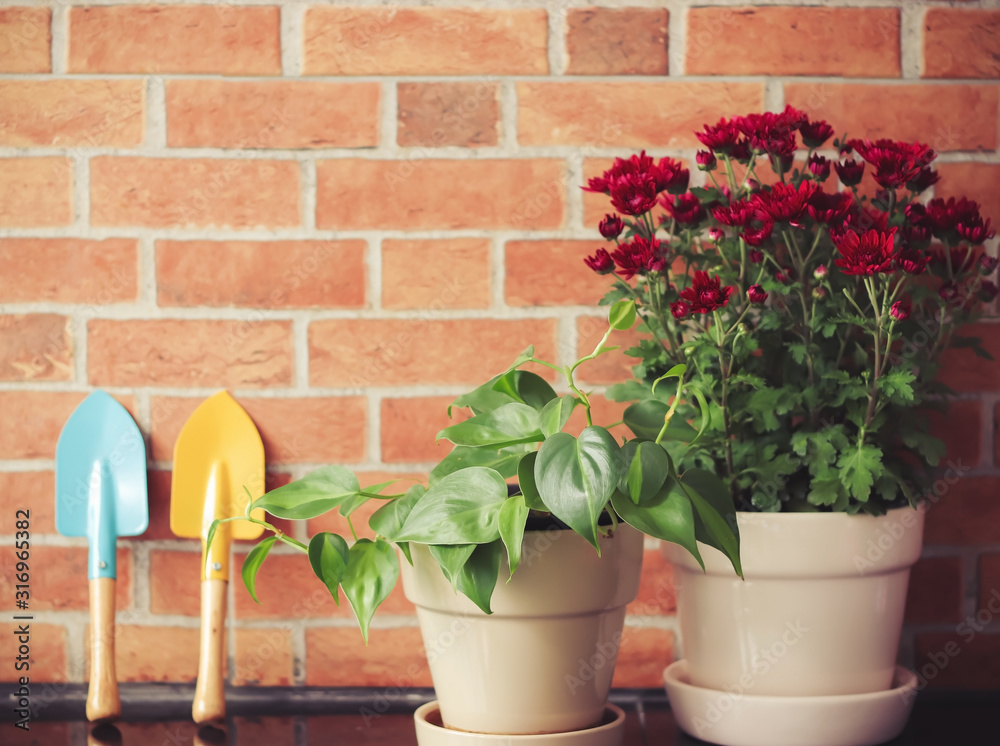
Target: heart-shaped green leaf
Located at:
point(577, 476)
point(509, 425)
point(371, 574)
point(647, 471)
point(316, 493)
point(329, 555)
point(451, 558)
point(388, 520)
point(645, 418)
point(556, 413)
point(622, 315)
point(463, 508)
point(715, 514)
point(254, 559)
point(462, 457)
point(668, 516)
point(526, 481)
point(525, 387)
point(478, 576)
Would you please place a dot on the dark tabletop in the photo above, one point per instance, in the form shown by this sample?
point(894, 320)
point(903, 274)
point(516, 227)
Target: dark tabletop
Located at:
point(365, 717)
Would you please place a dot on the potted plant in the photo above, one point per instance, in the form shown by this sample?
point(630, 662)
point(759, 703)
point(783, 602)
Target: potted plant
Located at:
point(518, 584)
point(812, 323)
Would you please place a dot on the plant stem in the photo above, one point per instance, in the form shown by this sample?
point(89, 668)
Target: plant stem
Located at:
point(724, 376)
point(670, 412)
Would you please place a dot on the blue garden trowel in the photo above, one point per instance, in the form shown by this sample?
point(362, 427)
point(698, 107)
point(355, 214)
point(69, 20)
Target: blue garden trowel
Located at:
point(101, 494)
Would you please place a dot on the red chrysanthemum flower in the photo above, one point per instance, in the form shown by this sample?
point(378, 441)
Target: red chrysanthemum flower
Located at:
point(720, 137)
point(601, 262)
point(755, 255)
point(925, 179)
point(945, 216)
point(830, 208)
point(640, 256)
point(680, 310)
point(685, 208)
point(738, 213)
point(911, 261)
point(900, 310)
point(814, 134)
point(975, 231)
point(850, 172)
point(611, 227)
point(757, 236)
point(819, 166)
point(706, 160)
point(894, 162)
point(988, 264)
point(756, 294)
point(705, 294)
point(868, 253)
point(633, 194)
point(785, 203)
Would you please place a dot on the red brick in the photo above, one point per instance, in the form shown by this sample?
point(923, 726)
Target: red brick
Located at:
point(47, 659)
point(793, 40)
point(156, 653)
point(952, 117)
point(960, 430)
point(409, 426)
point(613, 114)
point(32, 490)
point(63, 113)
point(65, 589)
point(436, 273)
point(264, 658)
point(259, 274)
point(69, 270)
point(174, 586)
point(370, 352)
point(437, 114)
point(294, 430)
point(611, 367)
point(643, 655)
point(552, 273)
point(35, 347)
point(967, 513)
point(40, 416)
point(25, 40)
point(174, 192)
point(617, 41)
point(961, 43)
point(989, 580)
point(172, 352)
point(336, 523)
point(963, 371)
point(430, 193)
point(656, 587)
point(222, 39)
point(337, 656)
point(971, 659)
point(35, 192)
point(425, 41)
point(978, 181)
point(936, 592)
point(271, 114)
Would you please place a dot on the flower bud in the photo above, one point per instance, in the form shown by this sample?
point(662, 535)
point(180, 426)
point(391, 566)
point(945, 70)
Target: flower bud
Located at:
point(716, 234)
point(756, 256)
point(680, 309)
point(820, 272)
point(752, 185)
point(900, 310)
point(756, 294)
point(706, 160)
point(601, 262)
point(611, 227)
point(987, 264)
point(819, 293)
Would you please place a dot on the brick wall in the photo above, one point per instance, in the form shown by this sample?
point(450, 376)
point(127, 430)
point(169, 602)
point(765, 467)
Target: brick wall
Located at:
point(346, 215)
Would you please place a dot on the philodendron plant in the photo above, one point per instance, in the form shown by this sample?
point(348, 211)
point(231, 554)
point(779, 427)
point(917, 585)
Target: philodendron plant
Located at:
point(472, 521)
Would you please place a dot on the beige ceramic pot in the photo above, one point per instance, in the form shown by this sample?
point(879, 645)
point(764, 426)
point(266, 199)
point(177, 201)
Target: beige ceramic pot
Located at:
point(820, 611)
point(543, 661)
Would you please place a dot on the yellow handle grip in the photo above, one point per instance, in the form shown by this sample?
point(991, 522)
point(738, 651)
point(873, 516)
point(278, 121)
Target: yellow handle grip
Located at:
point(102, 698)
point(209, 695)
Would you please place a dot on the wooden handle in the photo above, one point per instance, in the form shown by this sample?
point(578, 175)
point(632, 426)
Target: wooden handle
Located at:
point(209, 695)
point(102, 699)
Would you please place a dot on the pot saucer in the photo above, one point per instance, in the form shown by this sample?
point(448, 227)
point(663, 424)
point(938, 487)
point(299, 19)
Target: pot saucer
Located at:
point(840, 720)
point(431, 732)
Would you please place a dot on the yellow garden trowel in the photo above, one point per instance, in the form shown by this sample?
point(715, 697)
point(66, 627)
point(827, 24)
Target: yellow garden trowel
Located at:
point(218, 459)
